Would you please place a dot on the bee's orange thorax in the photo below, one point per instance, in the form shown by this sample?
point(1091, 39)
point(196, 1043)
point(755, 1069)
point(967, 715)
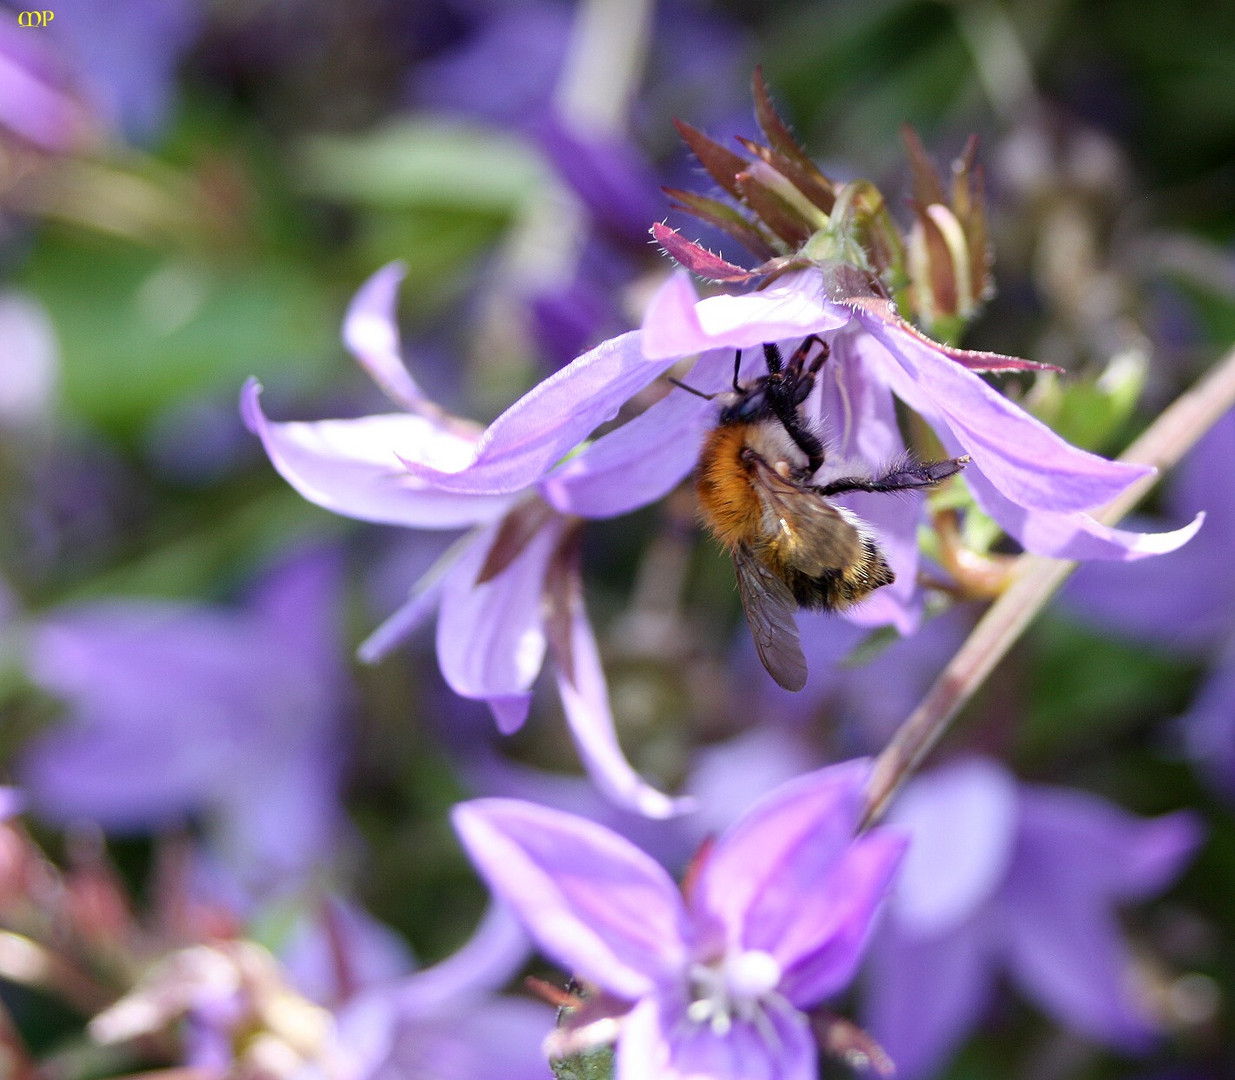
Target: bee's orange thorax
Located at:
point(728, 503)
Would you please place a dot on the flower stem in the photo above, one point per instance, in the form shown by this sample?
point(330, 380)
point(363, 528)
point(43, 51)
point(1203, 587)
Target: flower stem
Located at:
point(1034, 581)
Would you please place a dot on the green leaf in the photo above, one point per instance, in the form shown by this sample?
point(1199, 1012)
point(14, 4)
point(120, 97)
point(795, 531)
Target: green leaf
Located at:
point(140, 331)
point(424, 162)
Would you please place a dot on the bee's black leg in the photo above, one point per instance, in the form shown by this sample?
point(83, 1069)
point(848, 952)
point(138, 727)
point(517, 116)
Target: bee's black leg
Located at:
point(786, 388)
point(905, 476)
point(773, 358)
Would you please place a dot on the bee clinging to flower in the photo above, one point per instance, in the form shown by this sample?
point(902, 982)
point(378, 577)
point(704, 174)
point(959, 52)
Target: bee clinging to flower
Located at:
point(758, 495)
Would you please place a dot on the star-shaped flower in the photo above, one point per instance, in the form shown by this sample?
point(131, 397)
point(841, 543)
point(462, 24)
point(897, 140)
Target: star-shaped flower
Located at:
point(1023, 879)
point(510, 591)
point(721, 980)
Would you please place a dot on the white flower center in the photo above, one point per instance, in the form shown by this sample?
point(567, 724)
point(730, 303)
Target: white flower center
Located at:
point(741, 985)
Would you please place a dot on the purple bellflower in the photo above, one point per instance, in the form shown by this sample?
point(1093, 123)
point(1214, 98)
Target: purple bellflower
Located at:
point(1185, 602)
point(178, 710)
point(1023, 879)
point(724, 979)
point(510, 591)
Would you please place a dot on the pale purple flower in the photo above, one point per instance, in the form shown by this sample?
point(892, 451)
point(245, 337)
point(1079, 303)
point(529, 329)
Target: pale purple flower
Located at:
point(177, 710)
point(718, 982)
point(1018, 879)
point(443, 1022)
point(1185, 602)
point(509, 591)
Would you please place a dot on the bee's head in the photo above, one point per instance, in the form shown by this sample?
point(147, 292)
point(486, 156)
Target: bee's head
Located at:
point(747, 405)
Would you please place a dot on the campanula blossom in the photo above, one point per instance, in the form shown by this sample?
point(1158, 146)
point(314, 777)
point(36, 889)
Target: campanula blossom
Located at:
point(177, 710)
point(721, 980)
point(1185, 603)
point(509, 592)
point(1019, 879)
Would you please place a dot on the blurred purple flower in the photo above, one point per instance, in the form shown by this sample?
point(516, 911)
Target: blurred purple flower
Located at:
point(510, 590)
point(442, 1022)
point(124, 56)
point(719, 982)
point(1017, 878)
point(177, 710)
point(38, 100)
point(1034, 484)
point(1185, 602)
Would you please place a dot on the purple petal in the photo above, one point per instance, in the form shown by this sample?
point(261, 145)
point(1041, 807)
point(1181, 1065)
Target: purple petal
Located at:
point(812, 817)
point(657, 1041)
point(12, 802)
point(490, 636)
point(1101, 849)
point(585, 698)
point(860, 429)
point(340, 947)
point(487, 961)
point(550, 420)
point(1073, 535)
point(1070, 958)
point(1182, 600)
point(355, 467)
point(820, 943)
point(678, 323)
point(371, 334)
point(962, 820)
point(1024, 459)
point(35, 101)
point(1209, 725)
point(1077, 857)
point(923, 996)
point(592, 900)
point(146, 683)
point(639, 463)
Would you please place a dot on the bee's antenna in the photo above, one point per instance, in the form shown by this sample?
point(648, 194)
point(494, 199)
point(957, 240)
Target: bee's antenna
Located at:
point(690, 389)
point(737, 364)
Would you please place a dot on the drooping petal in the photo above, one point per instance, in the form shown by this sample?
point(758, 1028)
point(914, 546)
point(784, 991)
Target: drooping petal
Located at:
point(820, 937)
point(371, 334)
point(804, 825)
point(1182, 600)
point(1025, 460)
point(490, 636)
point(679, 324)
point(550, 420)
point(1074, 535)
point(658, 1043)
point(593, 901)
point(924, 995)
point(585, 699)
point(639, 463)
point(355, 467)
point(963, 820)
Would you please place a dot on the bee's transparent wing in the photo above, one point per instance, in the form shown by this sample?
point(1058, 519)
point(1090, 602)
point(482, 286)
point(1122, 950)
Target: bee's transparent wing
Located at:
point(770, 607)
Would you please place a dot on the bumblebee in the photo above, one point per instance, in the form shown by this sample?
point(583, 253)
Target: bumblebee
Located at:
point(791, 546)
